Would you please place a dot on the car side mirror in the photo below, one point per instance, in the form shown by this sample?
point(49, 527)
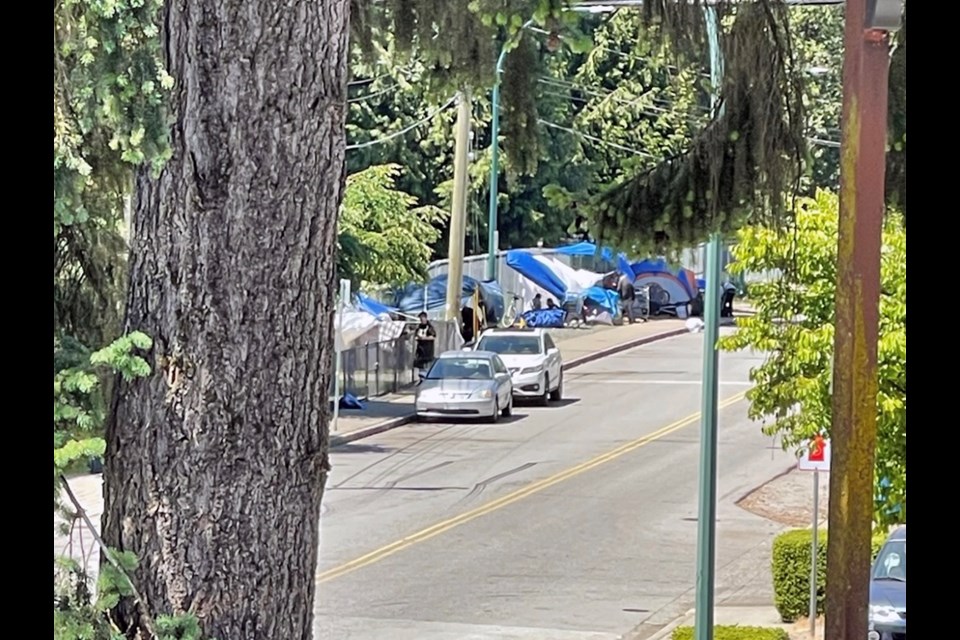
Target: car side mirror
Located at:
point(552, 351)
point(421, 375)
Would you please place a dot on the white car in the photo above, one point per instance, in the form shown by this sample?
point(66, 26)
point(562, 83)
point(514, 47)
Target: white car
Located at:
point(533, 360)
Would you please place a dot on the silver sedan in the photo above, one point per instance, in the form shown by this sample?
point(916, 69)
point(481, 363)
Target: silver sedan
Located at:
point(466, 384)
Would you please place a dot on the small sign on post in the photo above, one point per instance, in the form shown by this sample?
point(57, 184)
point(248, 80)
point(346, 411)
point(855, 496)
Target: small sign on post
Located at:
point(815, 458)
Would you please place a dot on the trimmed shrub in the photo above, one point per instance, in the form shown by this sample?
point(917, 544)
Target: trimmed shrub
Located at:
point(735, 633)
point(791, 571)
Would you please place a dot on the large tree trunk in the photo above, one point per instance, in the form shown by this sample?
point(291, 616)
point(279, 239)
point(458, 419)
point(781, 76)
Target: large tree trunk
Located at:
point(216, 463)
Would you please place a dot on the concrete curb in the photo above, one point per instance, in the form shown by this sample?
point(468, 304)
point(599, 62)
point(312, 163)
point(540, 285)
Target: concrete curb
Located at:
point(393, 423)
point(664, 634)
point(372, 430)
point(623, 346)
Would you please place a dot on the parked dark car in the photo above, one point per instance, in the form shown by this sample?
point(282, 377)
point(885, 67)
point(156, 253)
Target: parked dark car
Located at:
point(888, 589)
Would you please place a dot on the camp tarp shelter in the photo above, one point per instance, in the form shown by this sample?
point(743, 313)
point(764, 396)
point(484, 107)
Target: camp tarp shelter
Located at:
point(368, 304)
point(526, 264)
point(586, 249)
point(606, 299)
point(432, 297)
point(576, 280)
point(350, 325)
point(679, 284)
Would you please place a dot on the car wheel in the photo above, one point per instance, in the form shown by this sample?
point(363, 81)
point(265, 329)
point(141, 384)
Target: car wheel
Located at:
point(496, 411)
point(545, 398)
point(508, 410)
point(557, 394)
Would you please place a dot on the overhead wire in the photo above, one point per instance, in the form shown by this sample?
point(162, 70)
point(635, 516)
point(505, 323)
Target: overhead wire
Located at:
point(586, 136)
point(396, 134)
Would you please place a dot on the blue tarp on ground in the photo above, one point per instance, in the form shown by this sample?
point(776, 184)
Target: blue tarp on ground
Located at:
point(536, 272)
point(544, 318)
point(586, 249)
point(605, 298)
point(411, 300)
point(371, 306)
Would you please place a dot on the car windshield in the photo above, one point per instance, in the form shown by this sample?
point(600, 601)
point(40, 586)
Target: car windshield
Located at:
point(510, 345)
point(460, 369)
point(892, 562)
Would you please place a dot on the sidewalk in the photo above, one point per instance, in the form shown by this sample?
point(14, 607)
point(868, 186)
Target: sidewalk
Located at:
point(578, 346)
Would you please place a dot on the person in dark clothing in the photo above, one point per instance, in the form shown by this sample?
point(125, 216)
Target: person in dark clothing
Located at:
point(551, 304)
point(426, 337)
point(628, 294)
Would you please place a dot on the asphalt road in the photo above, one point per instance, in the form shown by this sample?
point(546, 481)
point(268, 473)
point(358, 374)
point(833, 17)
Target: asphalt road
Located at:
point(575, 521)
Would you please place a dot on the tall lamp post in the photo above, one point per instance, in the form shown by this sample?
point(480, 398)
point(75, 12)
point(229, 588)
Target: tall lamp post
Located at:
point(707, 520)
point(492, 235)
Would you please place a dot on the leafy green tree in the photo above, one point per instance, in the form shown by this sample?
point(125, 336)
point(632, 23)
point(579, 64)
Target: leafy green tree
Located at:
point(392, 233)
point(109, 86)
point(794, 324)
point(745, 163)
point(631, 107)
point(818, 34)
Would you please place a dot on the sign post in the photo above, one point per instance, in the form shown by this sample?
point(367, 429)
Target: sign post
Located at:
point(338, 349)
point(816, 458)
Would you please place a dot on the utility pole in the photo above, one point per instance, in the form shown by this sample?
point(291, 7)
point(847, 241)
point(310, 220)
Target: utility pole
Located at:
point(458, 213)
point(707, 515)
point(866, 64)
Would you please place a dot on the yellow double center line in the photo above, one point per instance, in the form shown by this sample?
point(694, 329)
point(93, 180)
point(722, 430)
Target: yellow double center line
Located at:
point(524, 492)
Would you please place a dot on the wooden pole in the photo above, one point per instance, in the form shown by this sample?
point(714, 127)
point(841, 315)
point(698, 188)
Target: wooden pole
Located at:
point(854, 426)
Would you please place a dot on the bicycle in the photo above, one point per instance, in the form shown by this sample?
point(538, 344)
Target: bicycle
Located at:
point(512, 312)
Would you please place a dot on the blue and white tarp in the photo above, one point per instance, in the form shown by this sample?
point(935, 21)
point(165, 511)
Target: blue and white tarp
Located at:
point(371, 306)
point(586, 249)
point(432, 297)
point(606, 299)
point(541, 275)
point(544, 318)
point(679, 284)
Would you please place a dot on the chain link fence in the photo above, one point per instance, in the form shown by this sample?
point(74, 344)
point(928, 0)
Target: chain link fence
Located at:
point(378, 368)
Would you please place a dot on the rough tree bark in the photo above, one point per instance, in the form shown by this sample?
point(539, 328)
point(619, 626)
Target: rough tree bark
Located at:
point(216, 464)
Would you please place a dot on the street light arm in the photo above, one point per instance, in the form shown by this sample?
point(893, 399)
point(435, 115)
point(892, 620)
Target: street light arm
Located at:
point(506, 46)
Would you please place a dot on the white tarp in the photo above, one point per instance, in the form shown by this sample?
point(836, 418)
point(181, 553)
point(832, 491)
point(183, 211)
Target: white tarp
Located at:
point(350, 325)
point(577, 280)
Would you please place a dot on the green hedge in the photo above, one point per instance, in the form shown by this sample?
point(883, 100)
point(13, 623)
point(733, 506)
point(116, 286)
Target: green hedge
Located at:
point(735, 633)
point(791, 571)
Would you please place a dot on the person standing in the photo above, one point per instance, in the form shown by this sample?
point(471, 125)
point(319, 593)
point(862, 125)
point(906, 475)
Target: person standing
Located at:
point(628, 295)
point(426, 337)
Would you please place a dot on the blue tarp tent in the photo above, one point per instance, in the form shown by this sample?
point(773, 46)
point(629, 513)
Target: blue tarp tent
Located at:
point(544, 318)
point(679, 284)
point(371, 306)
point(586, 249)
point(536, 272)
point(623, 265)
point(415, 298)
point(605, 298)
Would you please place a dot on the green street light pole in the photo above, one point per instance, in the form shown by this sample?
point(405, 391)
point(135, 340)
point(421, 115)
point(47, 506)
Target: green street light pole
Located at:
point(492, 237)
point(707, 520)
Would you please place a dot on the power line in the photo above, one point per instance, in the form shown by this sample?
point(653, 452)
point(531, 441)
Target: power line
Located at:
point(585, 136)
point(824, 143)
point(362, 98)
point(397, 134)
